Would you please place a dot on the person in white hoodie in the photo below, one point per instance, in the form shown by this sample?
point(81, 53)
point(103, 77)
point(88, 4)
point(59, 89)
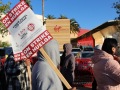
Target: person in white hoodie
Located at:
point(43, 76)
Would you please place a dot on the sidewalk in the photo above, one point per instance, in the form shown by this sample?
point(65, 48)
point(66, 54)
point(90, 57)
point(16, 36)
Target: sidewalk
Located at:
point(83, 88)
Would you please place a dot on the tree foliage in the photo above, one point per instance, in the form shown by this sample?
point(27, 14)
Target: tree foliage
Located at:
point(116, 5)
point(28, 3)
point(74, 26)
point(4, 8)
point(4, 44)
point(50, 17)
point(62, 17)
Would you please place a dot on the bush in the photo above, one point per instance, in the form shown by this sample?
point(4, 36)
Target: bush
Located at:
point(4, 44)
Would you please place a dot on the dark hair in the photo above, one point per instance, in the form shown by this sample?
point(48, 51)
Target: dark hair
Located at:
point(108, 44)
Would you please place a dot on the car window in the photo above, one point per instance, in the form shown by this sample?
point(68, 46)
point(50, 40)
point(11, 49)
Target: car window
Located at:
point(88, 49)
point(75, 54)
point(87, 55)
point(76, 50)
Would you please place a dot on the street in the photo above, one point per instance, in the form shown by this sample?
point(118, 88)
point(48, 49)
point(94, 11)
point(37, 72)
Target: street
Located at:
point(83, 88)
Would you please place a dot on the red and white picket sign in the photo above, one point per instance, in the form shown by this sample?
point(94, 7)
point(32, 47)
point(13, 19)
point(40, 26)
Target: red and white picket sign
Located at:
point(26, 29)
point(29, 34)
point(18, 54)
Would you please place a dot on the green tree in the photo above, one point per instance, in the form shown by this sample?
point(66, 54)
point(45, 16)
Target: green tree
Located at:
point(4, 8)
point(28, 3)
point(62, 17)
point(50, 17)
point(4, 44)
point(116, 5)
point(74, 26)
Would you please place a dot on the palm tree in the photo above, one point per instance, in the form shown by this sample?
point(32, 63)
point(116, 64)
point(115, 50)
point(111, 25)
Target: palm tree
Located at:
point(74, 26)
point(62, 17)
point(51, 17)
point(28, 3)
point(43, 11)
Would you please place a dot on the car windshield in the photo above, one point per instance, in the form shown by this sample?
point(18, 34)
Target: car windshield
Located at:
point(75, 54)
point(87, 55)
point(88, 49)
point(76, 50)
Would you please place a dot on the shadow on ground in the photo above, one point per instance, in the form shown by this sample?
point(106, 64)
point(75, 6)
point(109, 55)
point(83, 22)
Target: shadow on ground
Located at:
point(83, 88)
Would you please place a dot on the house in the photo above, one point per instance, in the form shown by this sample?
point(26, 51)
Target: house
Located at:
point(97, 35)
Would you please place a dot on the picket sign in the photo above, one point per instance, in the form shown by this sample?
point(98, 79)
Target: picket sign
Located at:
point(29, 34)
point(18, 54)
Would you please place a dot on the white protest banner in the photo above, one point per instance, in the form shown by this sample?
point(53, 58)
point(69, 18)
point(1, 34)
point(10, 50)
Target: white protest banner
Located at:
point(29, 33)
point(26, 29)
point(18, 54)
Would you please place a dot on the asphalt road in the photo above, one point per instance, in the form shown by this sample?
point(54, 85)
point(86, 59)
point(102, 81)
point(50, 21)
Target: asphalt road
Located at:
point(83, 88)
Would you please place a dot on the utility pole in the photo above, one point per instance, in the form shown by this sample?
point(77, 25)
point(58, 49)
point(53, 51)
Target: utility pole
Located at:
point(43, 9)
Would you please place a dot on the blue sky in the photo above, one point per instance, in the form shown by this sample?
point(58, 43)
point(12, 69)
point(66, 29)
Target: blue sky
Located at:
point(88, 13)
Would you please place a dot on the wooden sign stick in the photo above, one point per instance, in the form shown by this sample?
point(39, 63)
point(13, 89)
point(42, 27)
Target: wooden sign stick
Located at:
point(29, 73)
point(55, 68)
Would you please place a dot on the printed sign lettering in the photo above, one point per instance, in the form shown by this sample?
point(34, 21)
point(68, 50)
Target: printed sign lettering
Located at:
point(26, 29)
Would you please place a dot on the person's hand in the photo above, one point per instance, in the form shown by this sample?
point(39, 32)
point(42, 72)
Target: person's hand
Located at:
point(117, 58)
point(74, 88)
point(27, 62)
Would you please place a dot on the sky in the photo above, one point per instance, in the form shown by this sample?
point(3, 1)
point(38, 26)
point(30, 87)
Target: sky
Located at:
point(88, 13)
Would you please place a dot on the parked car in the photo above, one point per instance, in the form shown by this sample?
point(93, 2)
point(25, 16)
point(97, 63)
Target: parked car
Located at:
point(84, 63)
point(4, 52)
point(88, 49)
point(61, 52)
point(75, 51)
point(86, 54)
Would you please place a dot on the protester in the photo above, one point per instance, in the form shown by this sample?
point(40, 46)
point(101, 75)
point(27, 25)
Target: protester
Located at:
point(2, 78)
point(43, 76)
point(16, 74)
point(106, 69)
point(94, 83)
point(68, 66)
